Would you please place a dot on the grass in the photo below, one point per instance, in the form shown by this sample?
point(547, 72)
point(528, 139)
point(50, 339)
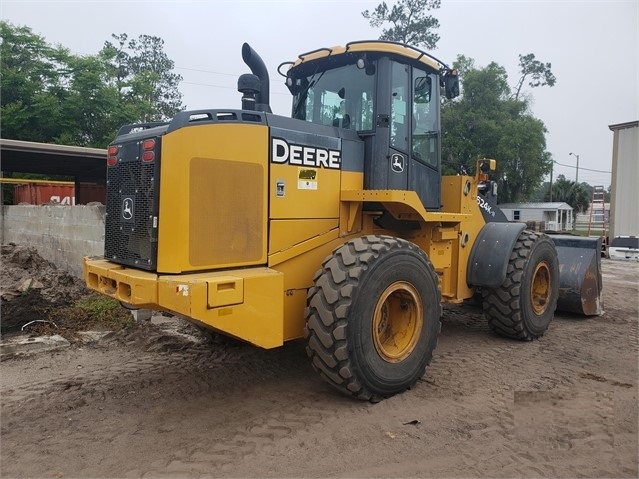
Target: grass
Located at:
point(92, 312)
point(100, 307)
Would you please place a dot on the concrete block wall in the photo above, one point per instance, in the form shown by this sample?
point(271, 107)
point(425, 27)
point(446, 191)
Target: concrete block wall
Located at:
point(61, 234)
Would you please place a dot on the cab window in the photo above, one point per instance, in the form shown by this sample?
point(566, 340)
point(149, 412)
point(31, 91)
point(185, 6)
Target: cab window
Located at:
point(399, 120)
point(425, 129)
point(341, 97)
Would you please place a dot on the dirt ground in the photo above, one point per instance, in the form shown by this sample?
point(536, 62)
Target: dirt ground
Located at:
point(32, 289)
point(144, 402)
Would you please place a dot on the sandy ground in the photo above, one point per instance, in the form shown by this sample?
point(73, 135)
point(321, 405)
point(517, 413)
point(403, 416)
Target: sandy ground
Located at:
point(146, 403)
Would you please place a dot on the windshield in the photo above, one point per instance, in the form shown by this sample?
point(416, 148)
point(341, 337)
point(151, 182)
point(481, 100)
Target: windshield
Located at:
point(341, 97)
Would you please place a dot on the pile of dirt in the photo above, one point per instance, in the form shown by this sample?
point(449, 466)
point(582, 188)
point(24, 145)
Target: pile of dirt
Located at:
point(33, 290)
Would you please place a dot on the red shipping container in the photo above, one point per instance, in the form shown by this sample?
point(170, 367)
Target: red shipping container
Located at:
point(41, 194)
point(90, 193)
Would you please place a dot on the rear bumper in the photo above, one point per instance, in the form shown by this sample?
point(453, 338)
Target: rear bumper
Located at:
point(135, 287)
point(244, 303)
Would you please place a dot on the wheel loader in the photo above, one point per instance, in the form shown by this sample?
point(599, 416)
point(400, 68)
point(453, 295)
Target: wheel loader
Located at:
point(334, 225)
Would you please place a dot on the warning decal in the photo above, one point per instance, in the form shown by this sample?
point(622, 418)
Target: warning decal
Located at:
point(307, 178)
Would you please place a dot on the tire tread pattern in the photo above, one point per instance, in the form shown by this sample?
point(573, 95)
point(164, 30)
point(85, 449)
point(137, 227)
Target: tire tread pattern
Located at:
point(502, 306)
point(328, 306)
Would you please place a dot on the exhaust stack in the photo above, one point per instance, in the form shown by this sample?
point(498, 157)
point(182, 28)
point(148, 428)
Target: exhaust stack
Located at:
point(258, 68)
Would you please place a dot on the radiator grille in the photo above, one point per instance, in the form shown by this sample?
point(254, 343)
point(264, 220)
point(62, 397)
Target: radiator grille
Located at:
point(132, 209)
point(226, 212)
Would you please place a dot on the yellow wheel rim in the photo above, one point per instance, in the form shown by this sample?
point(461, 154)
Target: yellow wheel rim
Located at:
point(540, 288)
point(397, 322)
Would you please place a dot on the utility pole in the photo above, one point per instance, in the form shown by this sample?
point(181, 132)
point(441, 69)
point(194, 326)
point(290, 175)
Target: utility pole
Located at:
point(552, 167)
point(577, 173)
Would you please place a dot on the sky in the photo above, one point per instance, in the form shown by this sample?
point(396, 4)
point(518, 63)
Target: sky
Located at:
point(593, 46)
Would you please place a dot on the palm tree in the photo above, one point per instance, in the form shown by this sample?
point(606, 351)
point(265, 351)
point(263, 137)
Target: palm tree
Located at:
point(575, 194)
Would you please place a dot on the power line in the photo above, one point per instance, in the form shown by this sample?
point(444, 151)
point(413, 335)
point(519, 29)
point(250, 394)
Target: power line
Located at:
point(581, 168)
point(229, 87)
point(201, 70)
point(205, 71)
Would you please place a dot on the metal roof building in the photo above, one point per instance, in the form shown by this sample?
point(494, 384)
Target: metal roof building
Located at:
point(80, 163)
point(557, 216)
point(624, 198)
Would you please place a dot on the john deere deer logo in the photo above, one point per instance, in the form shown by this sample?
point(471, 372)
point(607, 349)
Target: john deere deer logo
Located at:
point(127, 208)
point(397, 163)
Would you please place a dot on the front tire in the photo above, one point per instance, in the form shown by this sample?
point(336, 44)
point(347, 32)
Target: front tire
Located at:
point(372, 317)
point(523, 306)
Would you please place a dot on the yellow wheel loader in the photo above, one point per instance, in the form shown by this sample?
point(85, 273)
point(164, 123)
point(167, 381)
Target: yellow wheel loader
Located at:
point(334, 225)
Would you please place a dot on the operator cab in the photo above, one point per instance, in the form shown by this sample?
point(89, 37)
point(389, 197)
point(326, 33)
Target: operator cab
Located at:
point(390, 94)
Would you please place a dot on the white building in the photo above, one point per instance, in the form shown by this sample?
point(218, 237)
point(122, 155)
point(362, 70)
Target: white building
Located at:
point(556, 216)
point(624, 198)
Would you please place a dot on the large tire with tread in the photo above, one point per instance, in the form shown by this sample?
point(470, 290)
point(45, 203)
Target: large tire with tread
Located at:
point(523, 306)
point(373, 316)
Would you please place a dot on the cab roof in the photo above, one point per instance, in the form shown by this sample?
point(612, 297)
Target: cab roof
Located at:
point(412, 54)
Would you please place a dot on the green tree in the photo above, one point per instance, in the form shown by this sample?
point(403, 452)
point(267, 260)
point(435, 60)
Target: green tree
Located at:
point(538, 73)
point(140, 70)
point(488, 122)
point(32, 85)
point(50, 95)
point(409, 22)
point(92, 109)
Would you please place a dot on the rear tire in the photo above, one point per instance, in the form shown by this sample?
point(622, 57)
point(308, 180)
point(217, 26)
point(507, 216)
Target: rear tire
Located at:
point(523, 306)
point(372, 317)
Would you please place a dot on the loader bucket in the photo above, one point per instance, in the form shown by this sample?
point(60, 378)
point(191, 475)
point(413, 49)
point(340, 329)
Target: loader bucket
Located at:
point(579, 274)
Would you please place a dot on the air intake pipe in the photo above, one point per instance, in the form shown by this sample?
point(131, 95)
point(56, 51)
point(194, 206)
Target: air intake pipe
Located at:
point(258, 68)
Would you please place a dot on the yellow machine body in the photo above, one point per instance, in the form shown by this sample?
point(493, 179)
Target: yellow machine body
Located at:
point(225, 216)
point(215, 193)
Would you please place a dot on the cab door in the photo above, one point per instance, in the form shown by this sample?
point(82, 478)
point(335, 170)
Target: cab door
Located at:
point(406, 146)
point(425, 139)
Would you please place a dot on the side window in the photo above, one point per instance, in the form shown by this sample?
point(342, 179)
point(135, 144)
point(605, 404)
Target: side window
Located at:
point(424, 139)
point(366, 120)
point(516, 215)
point(332, 109)
point(399, 107)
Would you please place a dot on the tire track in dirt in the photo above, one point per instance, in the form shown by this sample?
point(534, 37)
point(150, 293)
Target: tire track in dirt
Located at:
point(188, 378)
point(469, 356)
point(557, 407)
point(549, 428)
point(482, 366)
point(161, 356)
point(256, 436)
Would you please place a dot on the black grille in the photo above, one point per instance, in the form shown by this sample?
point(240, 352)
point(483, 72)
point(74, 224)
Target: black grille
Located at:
point(132, 208)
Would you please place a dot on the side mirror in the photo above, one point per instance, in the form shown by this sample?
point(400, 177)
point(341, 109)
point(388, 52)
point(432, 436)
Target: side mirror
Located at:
point(451, 85)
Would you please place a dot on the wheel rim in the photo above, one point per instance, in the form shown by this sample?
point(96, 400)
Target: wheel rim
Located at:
point(540, 288)
point(397, 322)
